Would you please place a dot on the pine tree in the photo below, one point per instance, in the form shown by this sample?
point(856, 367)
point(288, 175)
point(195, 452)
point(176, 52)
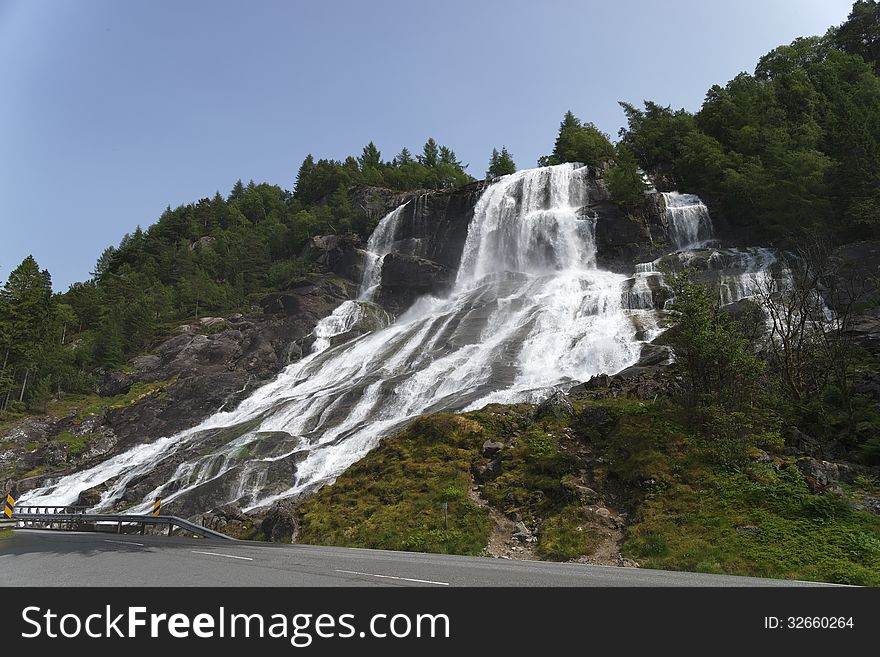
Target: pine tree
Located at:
point(501, 164)
point(27, 300)
point(447, 156)
point(303, 177)
point(578, 142)
point(403, 157)
point(430, 153)
point(370, 158)
point(237, 191)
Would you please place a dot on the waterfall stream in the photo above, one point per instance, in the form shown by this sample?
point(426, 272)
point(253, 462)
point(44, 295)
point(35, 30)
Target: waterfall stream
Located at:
point(529, 311)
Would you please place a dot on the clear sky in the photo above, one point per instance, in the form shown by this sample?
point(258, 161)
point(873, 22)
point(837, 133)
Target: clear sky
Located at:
point(111, 110)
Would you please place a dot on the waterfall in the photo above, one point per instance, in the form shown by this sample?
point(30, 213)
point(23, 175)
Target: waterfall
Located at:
point(380, 244)
point(688, 220)
point(529, 311)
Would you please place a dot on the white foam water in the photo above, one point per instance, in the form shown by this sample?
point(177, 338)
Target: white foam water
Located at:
point(688, 220)
point(529, 312)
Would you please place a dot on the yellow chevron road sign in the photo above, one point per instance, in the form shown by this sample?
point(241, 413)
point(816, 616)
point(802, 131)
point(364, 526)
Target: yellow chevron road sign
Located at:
point(157, 505)
point(9, 507)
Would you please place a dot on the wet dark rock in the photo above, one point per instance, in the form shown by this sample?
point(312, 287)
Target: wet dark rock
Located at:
point(280, 524)
point(488, 471)
point(91, 496)
point(491, 448)
point(823, 475)
point(625, 237)
point(407, 277)
point(651, 376)
point(341, 254)
point(557, 406)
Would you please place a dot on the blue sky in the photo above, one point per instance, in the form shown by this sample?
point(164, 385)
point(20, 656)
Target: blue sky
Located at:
point(110, 110)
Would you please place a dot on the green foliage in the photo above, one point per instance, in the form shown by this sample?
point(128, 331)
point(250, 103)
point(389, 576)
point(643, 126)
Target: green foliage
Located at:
point(436, 168)
point(76, 444)
point(567, 535)
point(393, 498)
point(579, 142)
point(760, 521)
point(729, 436)
point(500, 164)
point(720, 364)
point(625, 181)
point(791, 149)
point(860, 34)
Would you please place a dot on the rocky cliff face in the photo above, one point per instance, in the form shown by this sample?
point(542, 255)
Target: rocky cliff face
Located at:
point(215, 362)
point(208, 365)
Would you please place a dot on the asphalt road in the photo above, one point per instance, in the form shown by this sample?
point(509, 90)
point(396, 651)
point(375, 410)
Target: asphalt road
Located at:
point(55, 558)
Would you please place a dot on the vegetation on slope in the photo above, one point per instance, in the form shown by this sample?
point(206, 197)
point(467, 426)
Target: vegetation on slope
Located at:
point(686, 510)
point(707, 467)
point(792, 148)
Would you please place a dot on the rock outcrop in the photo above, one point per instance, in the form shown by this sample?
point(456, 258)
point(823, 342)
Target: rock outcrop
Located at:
point(208, 365)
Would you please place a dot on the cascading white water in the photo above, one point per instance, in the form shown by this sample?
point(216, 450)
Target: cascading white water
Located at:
point(688, 220)
point(380, 244)
point(529, 311)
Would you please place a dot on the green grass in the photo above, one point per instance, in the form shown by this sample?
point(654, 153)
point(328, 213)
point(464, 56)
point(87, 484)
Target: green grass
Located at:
point(689, 509)
point(76, 443)
point(94, 405)
point(393, 498)
point(5, 533)
point(566, 535)
point(693, 525)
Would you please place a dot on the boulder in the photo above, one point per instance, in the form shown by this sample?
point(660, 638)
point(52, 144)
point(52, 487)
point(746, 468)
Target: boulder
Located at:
point(340, 254)
point(491, 448)
point(280, 524)
point(486, 472)
point(414, 273)
point(201, 243)
point(91, 496)
point(820, 475)
point(557, 406)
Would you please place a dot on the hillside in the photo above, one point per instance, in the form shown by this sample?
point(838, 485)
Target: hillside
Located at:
point(661, 351)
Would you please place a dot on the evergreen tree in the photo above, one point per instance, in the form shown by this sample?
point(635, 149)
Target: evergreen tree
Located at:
point(860, 34)
point(447, 156)
point(27, 302)
point(501, 164)
point(430, 153)
point(304, 175)
point(370, 157)
point(579, 142)
point(403, 158)
point(237, 191)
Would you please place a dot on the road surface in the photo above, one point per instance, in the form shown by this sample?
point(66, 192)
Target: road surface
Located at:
point(57, 558)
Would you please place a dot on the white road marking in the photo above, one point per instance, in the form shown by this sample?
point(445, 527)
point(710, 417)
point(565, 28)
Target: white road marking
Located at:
point(405, 579)
point(220, 554)
point(107, 540)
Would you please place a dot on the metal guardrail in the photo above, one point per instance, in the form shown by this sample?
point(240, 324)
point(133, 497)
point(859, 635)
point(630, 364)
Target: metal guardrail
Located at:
point(84, 521)
point(43, 508)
